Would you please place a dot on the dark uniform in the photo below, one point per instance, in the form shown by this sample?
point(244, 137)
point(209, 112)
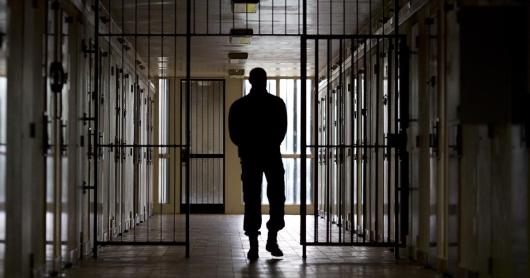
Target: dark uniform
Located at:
point(257, 124)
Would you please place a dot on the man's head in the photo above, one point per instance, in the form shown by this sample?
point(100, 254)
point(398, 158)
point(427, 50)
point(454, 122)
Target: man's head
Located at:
point(258, 78)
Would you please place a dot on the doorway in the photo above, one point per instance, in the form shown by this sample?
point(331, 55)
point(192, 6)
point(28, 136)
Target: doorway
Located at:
point(207, 146)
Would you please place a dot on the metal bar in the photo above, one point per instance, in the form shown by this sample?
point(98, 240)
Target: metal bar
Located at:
point(351, 146)
point(142, 146)
point(389, 131)
point(354, 36)
point(308, 36)
point(285, 16)
point(123, 127)
point(352, 138)
point(364, 156)
point(259, 34)
point(272, 18)
point(403, 123)
point(221, 135)
point(344, 17)
point(369, 116)
point(96, 129)
point(137, 134)
point(330, 17)
point(357, 138)
point(328, 133)
point(56, 145)
point(202, 143)
point(188, 92)
point(396, 84)
point(175, 128)
point(141, 243)
point(203, 156)
point(318, 18)
point(340, 140)
point(148, 183)
point(377, 104)
point(350, 244)
point(316, 150)
point(164, 95)
point(303, 157)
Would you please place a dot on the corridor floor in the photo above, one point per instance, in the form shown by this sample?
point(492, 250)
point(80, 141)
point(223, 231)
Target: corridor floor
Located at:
point(218, 249)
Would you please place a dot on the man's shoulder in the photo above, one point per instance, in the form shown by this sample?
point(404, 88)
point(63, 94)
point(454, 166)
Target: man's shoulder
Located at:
point(272, 97)
point(239, 102)
point(277, 100)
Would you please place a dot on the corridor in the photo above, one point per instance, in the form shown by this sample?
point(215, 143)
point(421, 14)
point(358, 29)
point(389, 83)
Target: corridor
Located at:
point(144, 138)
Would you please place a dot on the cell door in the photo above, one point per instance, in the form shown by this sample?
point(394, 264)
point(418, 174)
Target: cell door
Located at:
point(206, 146)
point(61, 134)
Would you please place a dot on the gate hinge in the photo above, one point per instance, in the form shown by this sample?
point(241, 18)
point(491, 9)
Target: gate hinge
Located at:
point(85, 118)
point(86, 187)
point(32, 130)
point(2, 35)
point(87, 49)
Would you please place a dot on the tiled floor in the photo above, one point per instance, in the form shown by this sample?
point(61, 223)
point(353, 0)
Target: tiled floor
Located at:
point(218, 249)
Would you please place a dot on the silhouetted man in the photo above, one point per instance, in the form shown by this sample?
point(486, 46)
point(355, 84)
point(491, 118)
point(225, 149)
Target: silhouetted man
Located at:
point(257, 124)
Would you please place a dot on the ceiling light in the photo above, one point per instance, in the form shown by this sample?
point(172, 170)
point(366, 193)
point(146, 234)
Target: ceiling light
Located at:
point(244, 6)
point(237, 57)
point(240, 36)
point(236, 73)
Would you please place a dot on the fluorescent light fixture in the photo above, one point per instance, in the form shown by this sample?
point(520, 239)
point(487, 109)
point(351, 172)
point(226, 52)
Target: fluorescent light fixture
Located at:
point(241, 36)
point(237, 57)
point(244, 6)
point(236, 73)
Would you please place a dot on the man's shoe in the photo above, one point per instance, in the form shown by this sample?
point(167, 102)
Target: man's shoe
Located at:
point(274, 249)
point(252, 254)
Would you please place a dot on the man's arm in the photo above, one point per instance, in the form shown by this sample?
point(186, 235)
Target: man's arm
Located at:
point(282, 121)
point(233, 124)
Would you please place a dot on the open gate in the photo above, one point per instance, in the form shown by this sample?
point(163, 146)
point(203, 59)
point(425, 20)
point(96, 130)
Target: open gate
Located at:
point(358, 139)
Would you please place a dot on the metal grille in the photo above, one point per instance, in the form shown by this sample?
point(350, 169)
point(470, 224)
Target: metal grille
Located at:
point(359, 162)
point(359, 133)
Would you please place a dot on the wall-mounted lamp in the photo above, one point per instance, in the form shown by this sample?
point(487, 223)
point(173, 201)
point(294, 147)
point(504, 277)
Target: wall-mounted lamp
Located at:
point(241, 36)
point(244, 6)
point(237, 57)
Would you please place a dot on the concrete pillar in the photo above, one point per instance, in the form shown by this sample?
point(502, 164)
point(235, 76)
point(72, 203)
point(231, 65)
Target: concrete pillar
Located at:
point(233, 188)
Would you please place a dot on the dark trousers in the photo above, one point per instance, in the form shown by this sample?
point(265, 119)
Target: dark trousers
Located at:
point(253, 168)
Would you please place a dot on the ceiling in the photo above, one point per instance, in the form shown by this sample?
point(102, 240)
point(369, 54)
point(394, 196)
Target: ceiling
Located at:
point(274, 46)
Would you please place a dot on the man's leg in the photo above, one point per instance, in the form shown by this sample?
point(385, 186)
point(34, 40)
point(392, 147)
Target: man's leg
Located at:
point(252, 178)
point(276, 195)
